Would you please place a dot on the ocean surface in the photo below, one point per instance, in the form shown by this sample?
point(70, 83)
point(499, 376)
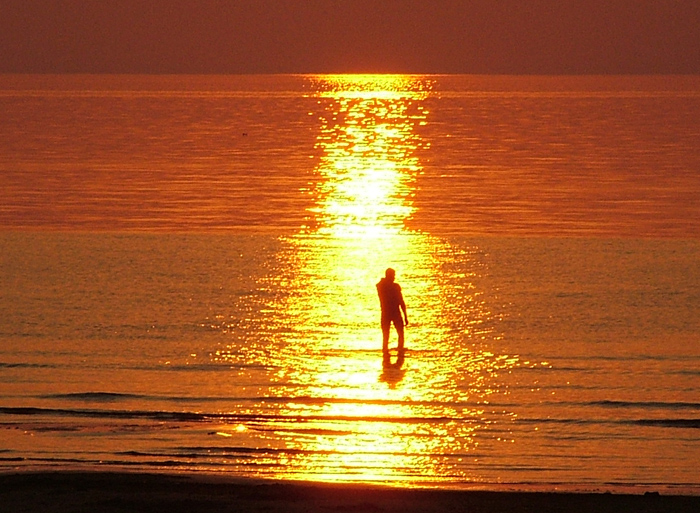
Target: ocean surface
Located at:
point(188, 269)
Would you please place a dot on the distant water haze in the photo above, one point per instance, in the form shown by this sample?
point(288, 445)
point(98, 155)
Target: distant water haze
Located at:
point(610, 156)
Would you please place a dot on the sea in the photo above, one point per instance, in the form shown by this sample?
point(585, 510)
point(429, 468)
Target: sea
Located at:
point(188, 269)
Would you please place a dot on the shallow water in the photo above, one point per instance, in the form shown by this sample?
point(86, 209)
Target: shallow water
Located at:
point(188, 269)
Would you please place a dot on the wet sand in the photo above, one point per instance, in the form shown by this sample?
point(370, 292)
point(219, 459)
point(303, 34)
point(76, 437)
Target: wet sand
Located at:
point(48, 492)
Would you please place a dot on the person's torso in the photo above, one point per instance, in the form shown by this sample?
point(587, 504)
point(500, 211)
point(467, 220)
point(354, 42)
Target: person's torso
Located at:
point(389, 295)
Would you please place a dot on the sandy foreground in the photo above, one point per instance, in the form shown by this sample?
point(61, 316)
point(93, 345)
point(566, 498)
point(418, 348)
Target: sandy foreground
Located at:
point(107, 492)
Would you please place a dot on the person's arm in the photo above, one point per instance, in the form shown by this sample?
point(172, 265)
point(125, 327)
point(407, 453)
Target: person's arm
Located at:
point(403, 309)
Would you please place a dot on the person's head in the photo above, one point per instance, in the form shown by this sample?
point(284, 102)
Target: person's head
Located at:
point(390, 274)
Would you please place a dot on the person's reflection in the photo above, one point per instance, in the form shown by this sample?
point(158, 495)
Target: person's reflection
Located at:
point(392, 373)
point(393, 306)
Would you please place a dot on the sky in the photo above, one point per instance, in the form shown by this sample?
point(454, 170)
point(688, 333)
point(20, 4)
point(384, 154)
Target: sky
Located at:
point(350, 36)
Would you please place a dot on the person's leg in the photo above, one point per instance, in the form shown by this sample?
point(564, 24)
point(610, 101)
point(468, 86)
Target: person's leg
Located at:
point(398, 323)
point(386, 330)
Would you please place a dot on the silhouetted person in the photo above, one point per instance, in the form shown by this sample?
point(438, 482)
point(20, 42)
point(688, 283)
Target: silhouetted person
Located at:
point(393, 305)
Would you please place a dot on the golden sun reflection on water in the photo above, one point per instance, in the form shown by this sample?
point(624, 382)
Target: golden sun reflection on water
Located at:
point(364, 422)
point(369, 162)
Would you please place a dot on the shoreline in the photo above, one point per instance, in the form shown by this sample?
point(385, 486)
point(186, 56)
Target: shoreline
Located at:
point(105, 491)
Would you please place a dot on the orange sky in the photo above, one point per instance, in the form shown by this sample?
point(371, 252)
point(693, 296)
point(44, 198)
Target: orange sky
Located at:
point(310, 36)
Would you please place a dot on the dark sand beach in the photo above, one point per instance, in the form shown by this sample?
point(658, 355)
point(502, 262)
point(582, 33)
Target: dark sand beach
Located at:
point(121, 492)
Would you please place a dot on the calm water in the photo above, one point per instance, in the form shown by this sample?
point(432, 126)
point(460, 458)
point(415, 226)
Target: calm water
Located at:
point(188, 266)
